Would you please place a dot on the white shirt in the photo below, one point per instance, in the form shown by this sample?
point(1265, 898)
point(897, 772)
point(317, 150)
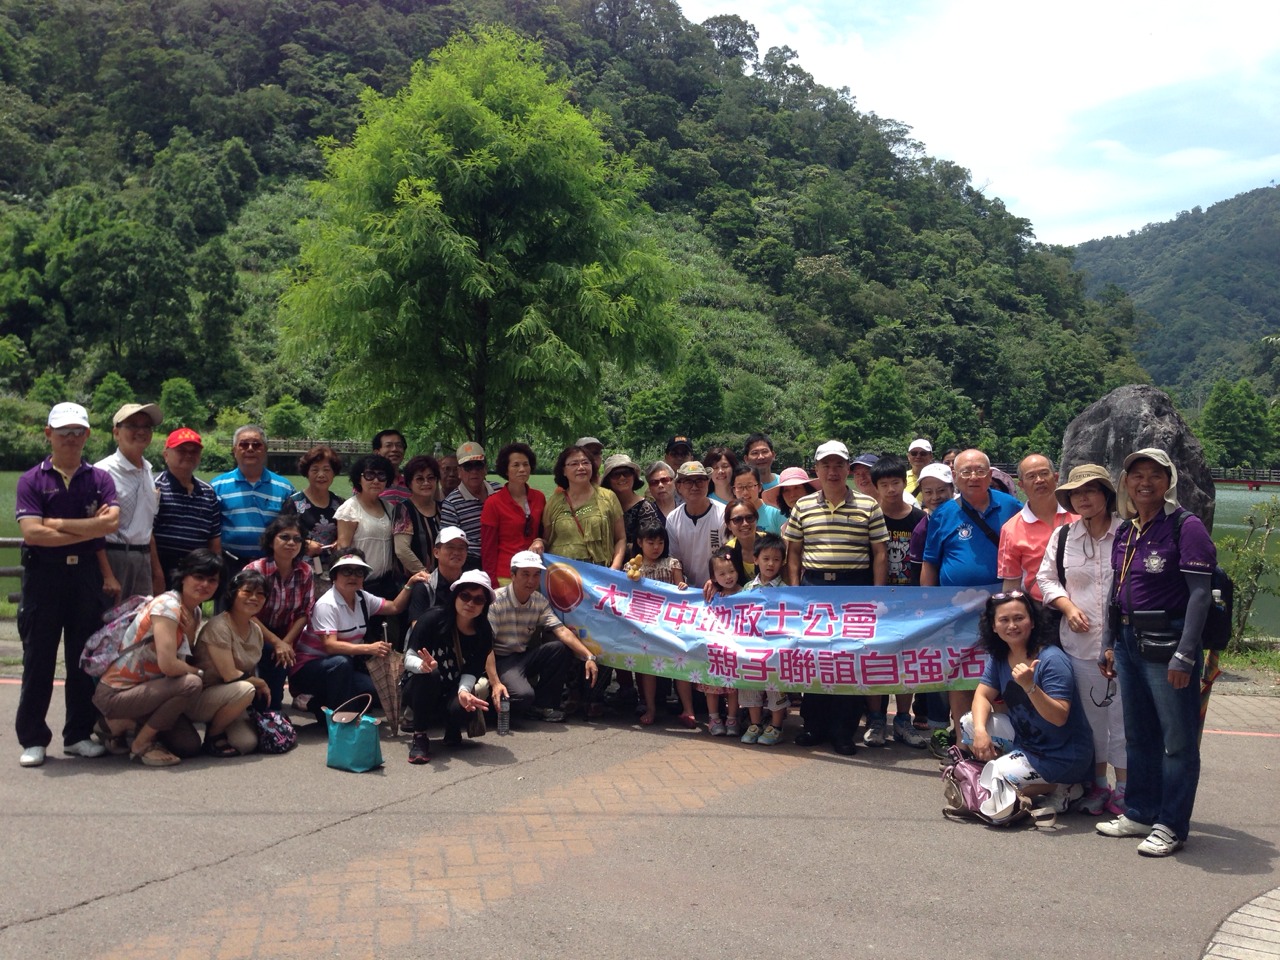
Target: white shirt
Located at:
point(694, 541)
point(1087, 564)
point(138, 498)
point(373, 533)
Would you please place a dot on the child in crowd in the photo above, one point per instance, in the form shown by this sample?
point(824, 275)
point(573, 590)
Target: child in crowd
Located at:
point(654, 562)
point(889, 478)
point(725, 574)
point(932, 712)
point(770, 554)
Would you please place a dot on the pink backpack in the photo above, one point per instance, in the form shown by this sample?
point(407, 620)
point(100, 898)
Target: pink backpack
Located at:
point(963, 794)
point(103, 647)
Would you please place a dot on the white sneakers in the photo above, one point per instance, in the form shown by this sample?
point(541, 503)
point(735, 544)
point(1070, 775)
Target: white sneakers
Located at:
point(32, 757)
point(1159, 842)
point(84, 748)
point(1122, 826)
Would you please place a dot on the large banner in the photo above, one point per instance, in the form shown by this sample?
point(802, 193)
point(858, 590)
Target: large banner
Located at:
point(816, 639)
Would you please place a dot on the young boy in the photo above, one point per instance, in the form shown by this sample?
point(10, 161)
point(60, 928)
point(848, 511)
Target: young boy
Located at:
point(889, 476)
point(769, 560)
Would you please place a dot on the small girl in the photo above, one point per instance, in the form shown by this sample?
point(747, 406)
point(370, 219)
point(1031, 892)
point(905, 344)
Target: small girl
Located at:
point(654, 563)
point(770, 554)
point(724, 573)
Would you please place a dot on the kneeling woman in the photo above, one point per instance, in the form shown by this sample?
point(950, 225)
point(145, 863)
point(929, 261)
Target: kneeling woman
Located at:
point(1027, 722)
point(449, 656)
point(325, 659)
point(151, 683)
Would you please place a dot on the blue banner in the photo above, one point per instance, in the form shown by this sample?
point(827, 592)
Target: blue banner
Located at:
point(815, 639)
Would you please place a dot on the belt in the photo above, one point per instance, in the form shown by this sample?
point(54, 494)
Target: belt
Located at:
point(831, 576)
point(130, 547)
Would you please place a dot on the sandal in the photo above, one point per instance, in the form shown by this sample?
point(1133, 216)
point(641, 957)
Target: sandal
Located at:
point(220, 746)
point(689, 720)
point(154, 755)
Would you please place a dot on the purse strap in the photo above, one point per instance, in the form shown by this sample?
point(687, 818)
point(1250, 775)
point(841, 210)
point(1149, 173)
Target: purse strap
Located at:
point(982, 524)
point(355, 715)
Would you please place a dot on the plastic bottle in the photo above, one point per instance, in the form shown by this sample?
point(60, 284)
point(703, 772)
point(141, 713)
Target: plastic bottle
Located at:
point(504, 716)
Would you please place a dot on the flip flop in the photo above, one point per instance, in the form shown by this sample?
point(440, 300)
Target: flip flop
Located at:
point(155, 755)
point(220, 746)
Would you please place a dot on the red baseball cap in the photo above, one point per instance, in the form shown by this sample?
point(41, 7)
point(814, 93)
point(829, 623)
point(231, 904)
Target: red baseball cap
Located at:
point(183, 435)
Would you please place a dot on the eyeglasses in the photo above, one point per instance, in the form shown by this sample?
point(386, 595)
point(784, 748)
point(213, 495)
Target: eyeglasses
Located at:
point(968, 473)
point(742, 518)
point(574, 464)
point(918, 453)
point(744, 490)
point(1108, 696)
point(289, 538)
point(425, 478)
point(250, 592)
point(138, 427)
point(528, 525)
point(472, 596)
point(1038, 475)
point(692, 480)
point(374, 475)
point(250, 445)
point(659, 481)
point(392, 445)
point(69, 432)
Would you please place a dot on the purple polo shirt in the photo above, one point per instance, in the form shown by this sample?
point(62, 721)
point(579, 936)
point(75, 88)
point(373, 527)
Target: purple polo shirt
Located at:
point(42, 493)
point(1154, 580)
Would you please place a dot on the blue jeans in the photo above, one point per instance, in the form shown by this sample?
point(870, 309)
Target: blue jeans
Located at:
point(1162, 738)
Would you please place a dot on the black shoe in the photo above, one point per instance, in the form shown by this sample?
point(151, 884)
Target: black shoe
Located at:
point(453, 737)
point(807, 738)
point(843, 747)
point(420, 749)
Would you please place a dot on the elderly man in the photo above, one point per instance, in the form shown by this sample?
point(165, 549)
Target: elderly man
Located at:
point(65, 507)
point(450, 475)
point(919, 456)
point(961, 547)
point(131, 551)
point(251, 496)
point(189, 515)
point(535, 678)
point(463, 507)
point(1024, 537)
point(695, 529)
point(835, 537)
point(679, 450)
point(391, 444)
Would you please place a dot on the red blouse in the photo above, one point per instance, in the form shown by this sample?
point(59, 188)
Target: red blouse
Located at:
point(504, 532)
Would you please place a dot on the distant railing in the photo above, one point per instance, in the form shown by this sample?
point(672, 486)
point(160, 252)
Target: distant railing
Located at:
point(1245, 474)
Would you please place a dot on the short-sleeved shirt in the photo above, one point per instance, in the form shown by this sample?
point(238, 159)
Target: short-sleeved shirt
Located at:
point(836, 536)
point(769, 519)
point(136, 496)
point(185, 521)
point(899, 546)
point(514, 622)
point(1023, 539)
point(246, 650)
point(462, 509)
point(288, 598)
point(332, 615)
point(317, 523)
point(140, 664)
point(1086, 565)
point(373, 533)
point(247, 509)
point(1149, 565)
point(693, 540)
point(1059, 754)
point(963, 554)
point(42, 492)
point(584, 533)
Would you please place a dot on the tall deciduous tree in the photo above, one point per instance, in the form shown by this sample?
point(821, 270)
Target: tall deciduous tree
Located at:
point(1234, 425)
point(474, 265)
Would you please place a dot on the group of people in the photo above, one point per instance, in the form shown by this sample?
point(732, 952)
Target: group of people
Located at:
point(429, 557)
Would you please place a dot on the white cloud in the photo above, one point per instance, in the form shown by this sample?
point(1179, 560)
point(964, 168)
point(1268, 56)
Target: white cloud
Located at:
point(1046, 105)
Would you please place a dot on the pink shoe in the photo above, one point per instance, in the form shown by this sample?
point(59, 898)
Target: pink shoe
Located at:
point(1094, 802)
point(1115, 803)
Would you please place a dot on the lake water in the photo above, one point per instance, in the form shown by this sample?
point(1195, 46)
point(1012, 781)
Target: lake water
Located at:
point(1233, 502)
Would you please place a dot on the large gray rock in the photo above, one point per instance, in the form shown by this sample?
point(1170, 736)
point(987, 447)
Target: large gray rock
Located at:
point(1130, 418)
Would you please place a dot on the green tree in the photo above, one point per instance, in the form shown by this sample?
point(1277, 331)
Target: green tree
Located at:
point(843, 404)
point(111, 393)
point(475, 266)
point(181, 406)
point(287, 418)
point(698, 393)
point(886, 401)
point(1234, 425)
point(50, 388)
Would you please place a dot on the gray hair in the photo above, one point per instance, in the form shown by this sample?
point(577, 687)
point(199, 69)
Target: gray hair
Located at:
point(249, 428)
point(659, 465)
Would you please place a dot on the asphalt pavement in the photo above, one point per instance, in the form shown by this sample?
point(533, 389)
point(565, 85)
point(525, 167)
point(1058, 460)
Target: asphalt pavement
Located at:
point(604, 839)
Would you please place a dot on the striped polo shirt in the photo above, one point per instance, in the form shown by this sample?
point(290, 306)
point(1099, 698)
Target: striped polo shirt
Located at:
point(462, 509)
point(836, 536)
point(513, 624)
point(185, 521)
point(247, 508)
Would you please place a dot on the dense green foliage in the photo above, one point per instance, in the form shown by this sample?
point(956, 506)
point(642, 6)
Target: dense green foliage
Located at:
point(154, 166)
point(1210, 282)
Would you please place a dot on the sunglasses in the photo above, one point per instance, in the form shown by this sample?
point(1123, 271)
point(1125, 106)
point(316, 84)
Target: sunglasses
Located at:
point(76, 432)
point(1011, 595)
point(474, 465)
point(1108, 696)
point(289, 538)
point(374, 475)
point(659, 481)
point(250, 445)
point(472, 596)
point(742, 518)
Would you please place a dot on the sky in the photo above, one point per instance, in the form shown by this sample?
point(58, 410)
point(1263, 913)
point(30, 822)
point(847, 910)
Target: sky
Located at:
point(1089, 119)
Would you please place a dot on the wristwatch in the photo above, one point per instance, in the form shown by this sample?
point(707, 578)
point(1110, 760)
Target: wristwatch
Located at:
point(592, 658)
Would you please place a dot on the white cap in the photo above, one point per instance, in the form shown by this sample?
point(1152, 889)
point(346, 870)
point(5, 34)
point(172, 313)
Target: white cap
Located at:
point(937, 471)
point(832, 448)
point(449, 534)
point(351, 561)
point(526, 560)
point(68, 415)
point(920, 443)
point(477, 577)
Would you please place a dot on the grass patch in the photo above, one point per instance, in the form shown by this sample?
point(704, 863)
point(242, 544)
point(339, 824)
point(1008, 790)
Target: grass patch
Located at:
point(1261, 655)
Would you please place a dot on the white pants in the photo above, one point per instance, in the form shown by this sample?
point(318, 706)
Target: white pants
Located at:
point(1106, 723)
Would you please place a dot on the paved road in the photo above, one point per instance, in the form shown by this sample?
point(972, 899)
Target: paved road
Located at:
point(606, 840)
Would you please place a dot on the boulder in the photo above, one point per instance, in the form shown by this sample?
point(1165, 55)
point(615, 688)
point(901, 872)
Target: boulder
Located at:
point(1130, 418)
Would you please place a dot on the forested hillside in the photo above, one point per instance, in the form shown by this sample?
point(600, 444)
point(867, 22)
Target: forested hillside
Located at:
point(1210, 282)
point(827, 275)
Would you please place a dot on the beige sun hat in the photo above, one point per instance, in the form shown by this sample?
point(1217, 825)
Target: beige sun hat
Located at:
point(1124, 506)
point(1084, 473)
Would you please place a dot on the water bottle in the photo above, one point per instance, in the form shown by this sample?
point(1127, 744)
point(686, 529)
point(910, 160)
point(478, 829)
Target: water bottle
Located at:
point(504, 716)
